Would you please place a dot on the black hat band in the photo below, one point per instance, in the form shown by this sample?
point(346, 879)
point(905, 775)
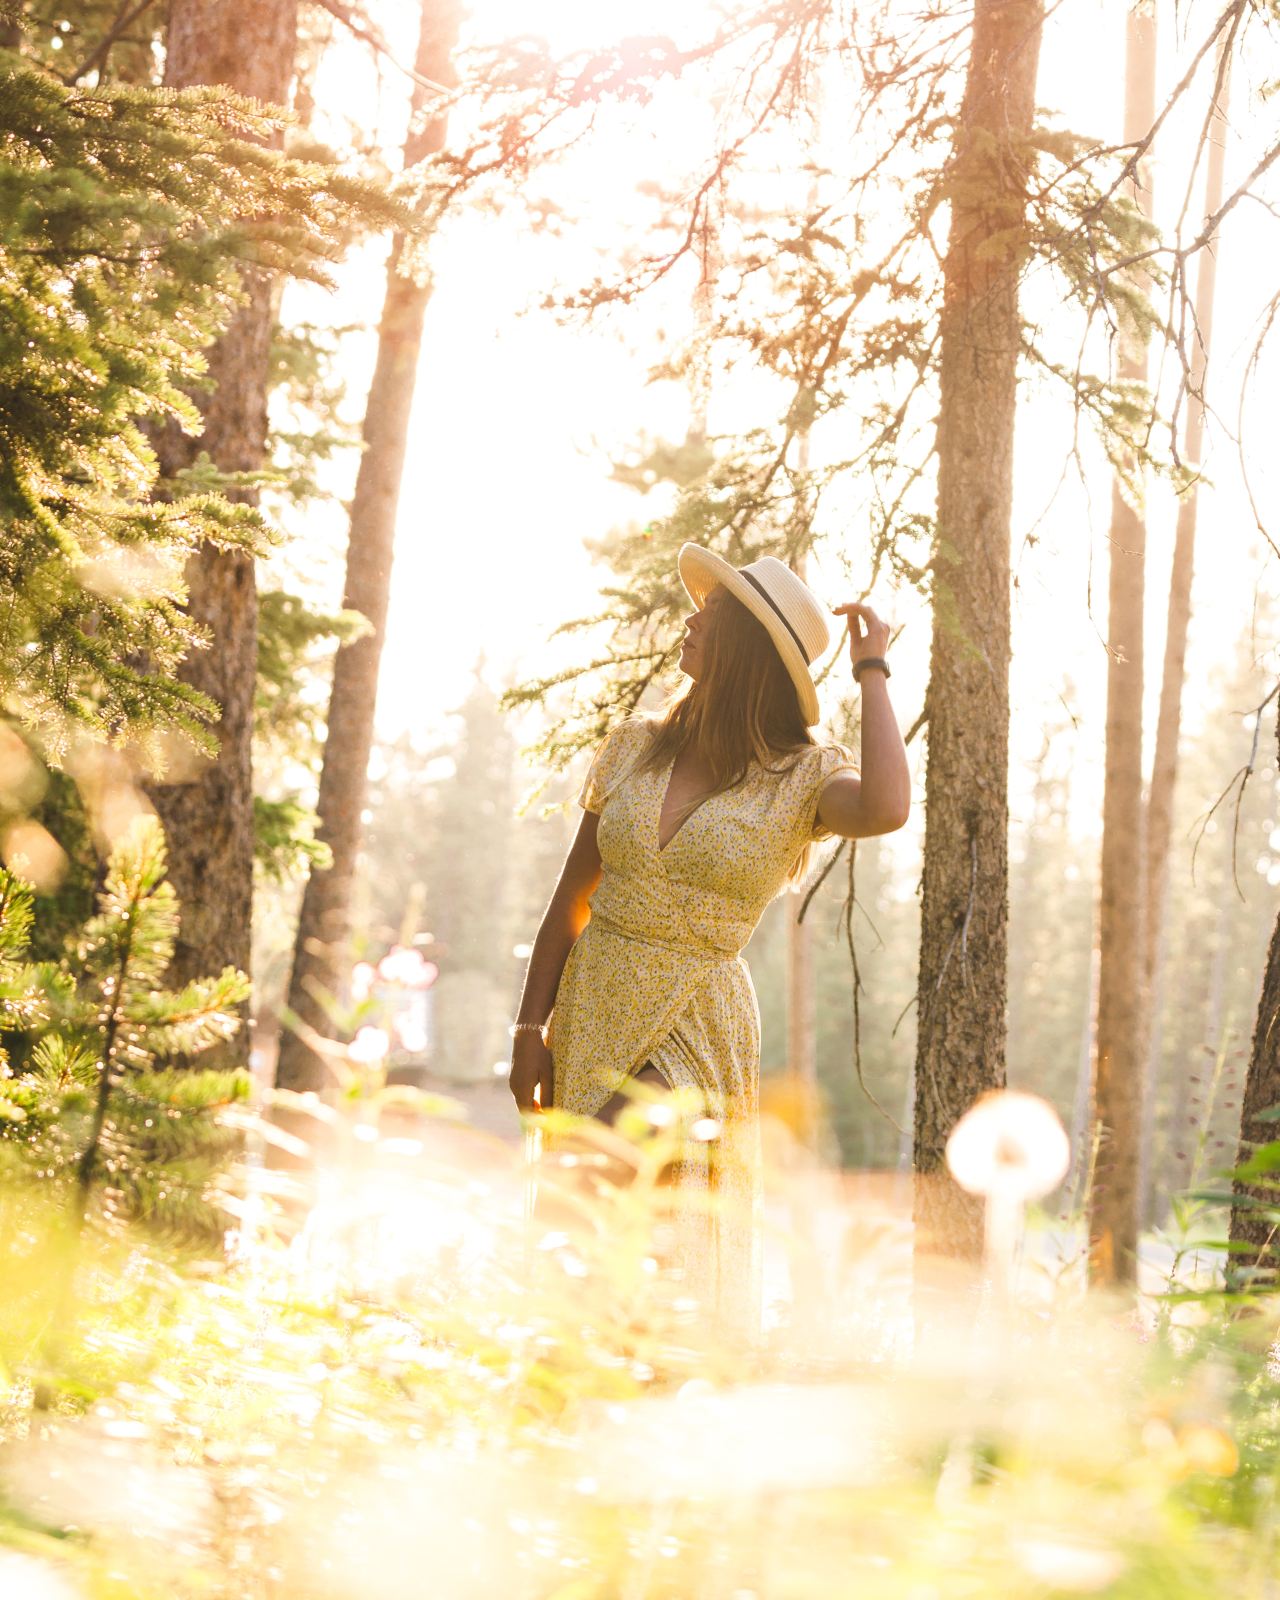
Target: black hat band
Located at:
point(773, 604)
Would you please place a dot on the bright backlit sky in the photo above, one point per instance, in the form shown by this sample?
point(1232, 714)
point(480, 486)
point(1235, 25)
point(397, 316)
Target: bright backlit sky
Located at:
point(516, 416)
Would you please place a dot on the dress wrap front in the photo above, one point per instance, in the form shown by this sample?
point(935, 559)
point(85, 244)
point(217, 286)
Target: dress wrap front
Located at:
point(658, 976)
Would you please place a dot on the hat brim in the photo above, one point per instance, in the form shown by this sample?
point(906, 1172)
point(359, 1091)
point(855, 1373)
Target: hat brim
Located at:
point(701, 570)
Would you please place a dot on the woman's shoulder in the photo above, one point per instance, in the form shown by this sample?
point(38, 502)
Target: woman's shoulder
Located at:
point(832, 755)
point(815, 762)
point(818, 764)
point(622, 746)
point(630, 737)
point(639, 725)
point(631, 732)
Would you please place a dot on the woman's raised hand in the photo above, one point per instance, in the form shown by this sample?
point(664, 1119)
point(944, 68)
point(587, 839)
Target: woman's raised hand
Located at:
point(531, 1072)
point(868, 635)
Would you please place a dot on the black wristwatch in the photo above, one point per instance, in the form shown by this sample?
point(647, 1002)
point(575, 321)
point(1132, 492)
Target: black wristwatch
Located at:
point(859, 667)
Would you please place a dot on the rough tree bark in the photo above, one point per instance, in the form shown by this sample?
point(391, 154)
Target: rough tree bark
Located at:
point(1250, 1226)
point(1118, 1065)
point(323, 925)
point(1164, 769)
point(208, 811)
point(962, 983)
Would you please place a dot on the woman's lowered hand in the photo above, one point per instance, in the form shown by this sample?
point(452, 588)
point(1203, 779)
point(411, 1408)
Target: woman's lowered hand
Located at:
point(531, 1078)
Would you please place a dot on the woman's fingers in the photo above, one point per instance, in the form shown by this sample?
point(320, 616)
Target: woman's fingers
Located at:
point(524, 1087)
point(853, 605)
point(858, 614)
point(532, 1075)
point(868, 631)
point(545, 1087)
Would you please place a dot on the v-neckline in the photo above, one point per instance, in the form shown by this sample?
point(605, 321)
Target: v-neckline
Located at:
point(664, 790)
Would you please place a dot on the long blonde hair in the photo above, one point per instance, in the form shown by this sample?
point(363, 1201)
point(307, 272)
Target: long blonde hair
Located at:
point(742, 707)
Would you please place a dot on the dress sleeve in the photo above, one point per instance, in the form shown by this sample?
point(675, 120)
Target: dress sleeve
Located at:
point(831, 760)
point(612, 759)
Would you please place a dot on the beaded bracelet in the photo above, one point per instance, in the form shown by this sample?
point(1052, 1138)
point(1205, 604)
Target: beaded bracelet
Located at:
point(539, 1028)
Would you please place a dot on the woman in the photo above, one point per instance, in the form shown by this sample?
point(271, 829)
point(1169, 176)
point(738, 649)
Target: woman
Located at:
point(693, 821)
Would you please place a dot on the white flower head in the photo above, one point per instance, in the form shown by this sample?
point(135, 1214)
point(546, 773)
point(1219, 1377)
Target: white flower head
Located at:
point(1009, 1146)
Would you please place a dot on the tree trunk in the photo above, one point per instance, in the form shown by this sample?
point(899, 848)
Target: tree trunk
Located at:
point(802, 1065)
point(1249, 1226)
point(1117, 1090)
point(1164, 771)
point(962, 984)
point(1081, 1148)
point(802, 1059)
point(324, 923)
point(208, 812)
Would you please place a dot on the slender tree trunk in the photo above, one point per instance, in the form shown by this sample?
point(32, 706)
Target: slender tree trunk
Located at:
point(323, 926)
point(960, 1049)
point(802, 1060)
point(1117, 1089)
point(1081, 1148)
point(1164, 771)
point(1153, 1189)
point(208, 813)
point(1261, 1093)
point(801, 1056)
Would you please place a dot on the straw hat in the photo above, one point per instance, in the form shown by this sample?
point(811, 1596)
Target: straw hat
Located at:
point(783, 602)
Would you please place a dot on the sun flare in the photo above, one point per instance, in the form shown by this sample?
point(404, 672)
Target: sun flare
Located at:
point(578, 24)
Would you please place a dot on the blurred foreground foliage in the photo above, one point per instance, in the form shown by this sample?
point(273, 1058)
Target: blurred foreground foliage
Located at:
point(99, 1103)
point(393, 1382)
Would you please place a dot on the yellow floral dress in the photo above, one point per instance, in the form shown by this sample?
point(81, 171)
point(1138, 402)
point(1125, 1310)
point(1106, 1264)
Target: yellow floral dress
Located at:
point(658, 976)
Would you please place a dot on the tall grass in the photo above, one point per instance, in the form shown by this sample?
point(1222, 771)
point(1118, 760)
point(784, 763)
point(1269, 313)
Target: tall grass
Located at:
point(400, 1382)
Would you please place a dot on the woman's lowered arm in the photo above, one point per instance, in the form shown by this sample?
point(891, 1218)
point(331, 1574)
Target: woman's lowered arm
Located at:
point(567, 914)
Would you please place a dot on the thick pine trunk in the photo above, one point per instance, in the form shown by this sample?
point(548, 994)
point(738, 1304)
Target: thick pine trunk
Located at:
point(961, 1040)
point(1261, 1093)
point(1164, 770)
point(208, 814)
point(1122, 979)
point(324, 923)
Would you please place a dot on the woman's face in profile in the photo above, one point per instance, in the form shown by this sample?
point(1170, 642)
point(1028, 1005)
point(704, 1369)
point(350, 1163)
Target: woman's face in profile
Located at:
point(696, 625)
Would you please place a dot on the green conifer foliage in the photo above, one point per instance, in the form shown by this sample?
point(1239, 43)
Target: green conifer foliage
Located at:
point(101, 1105)
point(129, 218)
